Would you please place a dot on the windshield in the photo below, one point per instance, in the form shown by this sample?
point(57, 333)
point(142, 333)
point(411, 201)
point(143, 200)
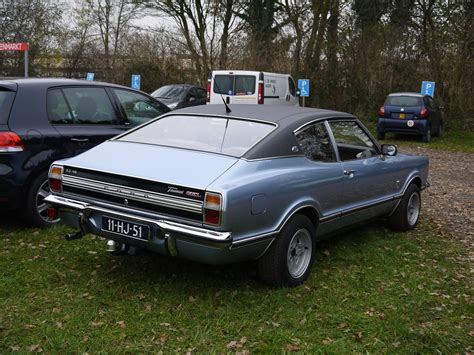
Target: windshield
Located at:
point(234, 84)
point(170, 92)
point(210, 134)
point(403, 101)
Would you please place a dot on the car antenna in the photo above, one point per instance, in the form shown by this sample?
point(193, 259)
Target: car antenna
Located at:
point(227, 108)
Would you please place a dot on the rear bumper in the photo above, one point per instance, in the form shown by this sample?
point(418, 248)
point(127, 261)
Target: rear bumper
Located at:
point(420, 126)
point(167, 238)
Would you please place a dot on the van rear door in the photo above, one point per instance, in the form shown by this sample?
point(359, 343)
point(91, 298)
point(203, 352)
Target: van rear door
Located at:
point(234, 88)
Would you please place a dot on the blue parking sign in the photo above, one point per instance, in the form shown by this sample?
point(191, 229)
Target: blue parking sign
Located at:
point(428, 88)
point(136, 81)
point(90, 76)
point(303, 86)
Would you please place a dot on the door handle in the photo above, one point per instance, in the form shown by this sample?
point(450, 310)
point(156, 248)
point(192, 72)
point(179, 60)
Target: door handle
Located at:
point(349, 173)
point(80, 139)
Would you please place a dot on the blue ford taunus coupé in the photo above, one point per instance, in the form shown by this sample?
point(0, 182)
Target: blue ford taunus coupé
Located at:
point(257, 183)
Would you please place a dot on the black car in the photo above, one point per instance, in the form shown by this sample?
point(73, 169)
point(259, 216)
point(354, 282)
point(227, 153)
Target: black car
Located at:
point(42, 120)
point(410, 113)
point(181, 95)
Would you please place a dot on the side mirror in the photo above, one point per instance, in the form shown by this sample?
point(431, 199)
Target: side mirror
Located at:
point(298, 93)
point(389, 149)
point(192, 99)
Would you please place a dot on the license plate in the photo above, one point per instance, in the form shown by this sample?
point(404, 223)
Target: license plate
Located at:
point(125, 228)
point(402, 115)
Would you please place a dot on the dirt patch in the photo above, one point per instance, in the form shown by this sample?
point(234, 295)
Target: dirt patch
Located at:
point(450, 199)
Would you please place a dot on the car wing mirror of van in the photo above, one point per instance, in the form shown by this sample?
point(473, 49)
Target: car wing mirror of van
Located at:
point(389, 149)
point(191, 99)
point(298, 93)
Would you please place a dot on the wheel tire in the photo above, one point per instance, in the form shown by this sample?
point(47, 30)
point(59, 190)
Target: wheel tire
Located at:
point(407, 213)
point(274, 267)
point(427, 135)
point(380, 135)
point(35, 212)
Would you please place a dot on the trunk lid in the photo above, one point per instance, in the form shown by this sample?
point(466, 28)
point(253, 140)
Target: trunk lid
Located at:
point(174, 166)
point(399, 112)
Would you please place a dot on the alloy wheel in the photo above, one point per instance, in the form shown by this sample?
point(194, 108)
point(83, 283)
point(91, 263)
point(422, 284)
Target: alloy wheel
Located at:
point(41, 206)
point(413, 208)
point(299, 253)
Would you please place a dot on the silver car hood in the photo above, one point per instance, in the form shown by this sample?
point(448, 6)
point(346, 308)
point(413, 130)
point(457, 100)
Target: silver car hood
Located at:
point(152, 162)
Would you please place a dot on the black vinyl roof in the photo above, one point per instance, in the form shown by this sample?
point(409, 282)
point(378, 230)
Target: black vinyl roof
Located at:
point(279, 142)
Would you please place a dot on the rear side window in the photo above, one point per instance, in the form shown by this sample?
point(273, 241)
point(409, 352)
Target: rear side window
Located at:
point(209, 134)
point(6, 101)
point(315, 143)
point(80, 105)
point(234, 84)
point(404, 101)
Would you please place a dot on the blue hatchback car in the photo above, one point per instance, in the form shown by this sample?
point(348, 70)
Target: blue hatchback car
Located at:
point(410, 113)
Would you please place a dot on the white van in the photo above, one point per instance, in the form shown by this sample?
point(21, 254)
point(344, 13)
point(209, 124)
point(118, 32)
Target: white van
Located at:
point(251, 87)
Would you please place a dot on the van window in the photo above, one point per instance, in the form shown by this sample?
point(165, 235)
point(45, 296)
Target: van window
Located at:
point(291, 85)
point(6, 100)
point(234, 84)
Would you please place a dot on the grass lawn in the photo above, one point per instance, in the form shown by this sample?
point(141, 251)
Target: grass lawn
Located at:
point(453, 140)
point(371, 290)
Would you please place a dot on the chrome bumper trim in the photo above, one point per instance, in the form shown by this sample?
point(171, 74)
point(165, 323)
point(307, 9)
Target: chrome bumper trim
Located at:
point(84, 209)
point(146, 196)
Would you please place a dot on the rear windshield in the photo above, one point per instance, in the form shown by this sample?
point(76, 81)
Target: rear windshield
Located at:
point(209, 134)
point(6, 100)
point(234, 84)
point(404, 101)
point(169, 92)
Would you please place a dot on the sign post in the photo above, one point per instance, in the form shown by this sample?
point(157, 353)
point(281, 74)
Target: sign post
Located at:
point(136, 81)
point(303, 86)
point(90, 76)
point(428, 88)
point(17, 46)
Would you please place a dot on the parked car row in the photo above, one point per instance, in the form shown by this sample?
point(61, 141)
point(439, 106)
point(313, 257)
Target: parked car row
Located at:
point(208, 183)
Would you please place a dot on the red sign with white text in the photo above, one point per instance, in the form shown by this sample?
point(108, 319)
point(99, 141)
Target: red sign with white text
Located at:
point(19, 46)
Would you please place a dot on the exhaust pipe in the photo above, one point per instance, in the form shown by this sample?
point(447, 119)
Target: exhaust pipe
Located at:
point(73, 236)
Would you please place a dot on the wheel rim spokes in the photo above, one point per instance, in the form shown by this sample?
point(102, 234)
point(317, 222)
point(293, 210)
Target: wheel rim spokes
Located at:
point(299, 253)
point(41, 206)
point(413, 209)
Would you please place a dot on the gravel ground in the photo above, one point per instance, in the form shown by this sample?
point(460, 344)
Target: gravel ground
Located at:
point(450, 199)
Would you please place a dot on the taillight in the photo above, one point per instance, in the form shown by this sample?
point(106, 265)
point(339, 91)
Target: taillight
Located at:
point(212, 208)
point(382, 111)
point(423, 112)
point(10, 142)
point(260, 93)
point(55, 178)
point(208, 91)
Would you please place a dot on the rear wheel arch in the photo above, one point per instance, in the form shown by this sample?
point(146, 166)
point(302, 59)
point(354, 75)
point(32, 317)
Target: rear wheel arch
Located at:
point(309, 212)
point(416, 180)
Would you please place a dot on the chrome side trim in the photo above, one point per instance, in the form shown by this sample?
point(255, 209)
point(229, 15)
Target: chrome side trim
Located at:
point(258, 237)
point(85, 209)
point(134, 193)
point(358, 208)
